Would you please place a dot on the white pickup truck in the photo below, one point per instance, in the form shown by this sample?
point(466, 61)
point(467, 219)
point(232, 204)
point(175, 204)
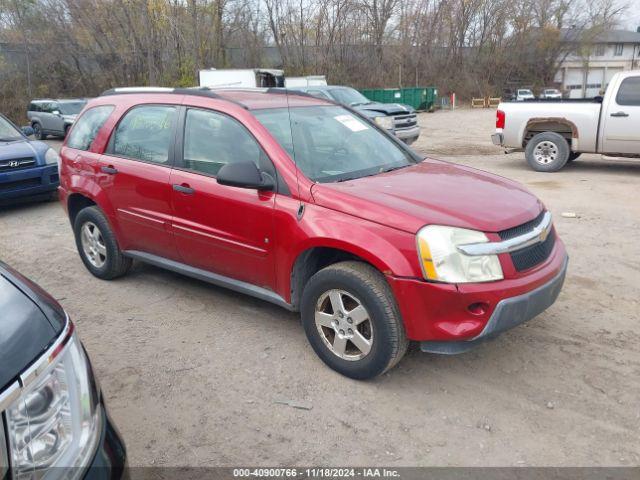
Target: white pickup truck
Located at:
point(553, 133)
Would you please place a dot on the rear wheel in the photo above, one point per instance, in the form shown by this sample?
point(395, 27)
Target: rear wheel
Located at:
point(97, 245)
point(547, 152)
point(352, 321)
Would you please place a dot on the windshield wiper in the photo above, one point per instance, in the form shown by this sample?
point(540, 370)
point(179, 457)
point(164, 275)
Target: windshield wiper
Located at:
point(391, 169)
point(9, 139)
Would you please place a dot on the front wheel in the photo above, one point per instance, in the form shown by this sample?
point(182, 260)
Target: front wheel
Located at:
point(547, 152)
point(37, 132)
point(352, 321)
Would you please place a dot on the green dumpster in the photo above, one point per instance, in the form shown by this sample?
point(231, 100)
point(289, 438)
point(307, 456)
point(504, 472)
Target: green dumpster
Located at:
point(420, 98)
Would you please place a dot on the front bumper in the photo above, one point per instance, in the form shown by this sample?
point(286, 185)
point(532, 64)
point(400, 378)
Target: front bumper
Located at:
point(443, 312)
point(509, 313)
point(110, 459)
point(28, 182)
point(408, 135)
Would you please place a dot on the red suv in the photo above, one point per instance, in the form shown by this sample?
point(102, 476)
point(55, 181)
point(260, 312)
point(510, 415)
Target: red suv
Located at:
point(306, 204)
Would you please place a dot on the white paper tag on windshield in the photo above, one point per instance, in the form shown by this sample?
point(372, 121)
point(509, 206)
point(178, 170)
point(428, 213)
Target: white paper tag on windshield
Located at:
point(351, 122)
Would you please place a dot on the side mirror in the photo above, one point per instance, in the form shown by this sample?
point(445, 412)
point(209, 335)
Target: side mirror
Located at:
point(56, 112)
point(245, 175)
point(28, 131)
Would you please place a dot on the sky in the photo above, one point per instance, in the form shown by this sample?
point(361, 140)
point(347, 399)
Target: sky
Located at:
point(632, 18)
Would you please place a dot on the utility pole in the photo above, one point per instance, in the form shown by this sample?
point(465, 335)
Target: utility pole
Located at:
point(26, 51)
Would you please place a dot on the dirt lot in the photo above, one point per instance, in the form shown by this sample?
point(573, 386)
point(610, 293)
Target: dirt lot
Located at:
point(192, 373)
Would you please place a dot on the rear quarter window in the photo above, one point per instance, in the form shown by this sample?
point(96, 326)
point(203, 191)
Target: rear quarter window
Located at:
point(629, 92)
point(87, 127)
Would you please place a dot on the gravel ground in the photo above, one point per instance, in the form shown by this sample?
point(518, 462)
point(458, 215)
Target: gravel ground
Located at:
point(193, 373)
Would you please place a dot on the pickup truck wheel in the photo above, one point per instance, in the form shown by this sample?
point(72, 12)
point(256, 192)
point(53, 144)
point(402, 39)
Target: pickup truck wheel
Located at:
point(547, 152)
point(352, 321)
point(97, 245)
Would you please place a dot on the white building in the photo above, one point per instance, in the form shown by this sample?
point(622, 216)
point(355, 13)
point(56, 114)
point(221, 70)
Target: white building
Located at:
point(586, 72)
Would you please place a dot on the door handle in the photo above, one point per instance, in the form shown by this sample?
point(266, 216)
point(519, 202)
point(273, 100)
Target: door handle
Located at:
point(184, 188)
point(620, 114)
point(110, 170)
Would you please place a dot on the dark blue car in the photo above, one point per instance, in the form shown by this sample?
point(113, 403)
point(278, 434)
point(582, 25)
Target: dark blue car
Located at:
point(27, 167)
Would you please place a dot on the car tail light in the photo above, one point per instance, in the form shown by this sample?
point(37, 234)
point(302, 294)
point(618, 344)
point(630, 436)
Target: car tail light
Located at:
point(500, 119)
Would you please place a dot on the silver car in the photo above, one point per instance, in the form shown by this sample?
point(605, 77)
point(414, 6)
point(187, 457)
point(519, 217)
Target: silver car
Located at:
point(53, 116)
point(551, 94)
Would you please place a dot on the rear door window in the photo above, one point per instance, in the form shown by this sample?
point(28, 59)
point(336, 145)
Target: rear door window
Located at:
point(87, 126)
point(629, 92)
point(145, 133)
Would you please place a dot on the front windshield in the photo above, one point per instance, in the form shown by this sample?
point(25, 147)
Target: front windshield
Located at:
point(71, 108)
point(525, 92)
point(8, 132)
point(551, 91)
point(331, 144)
point(349, 96)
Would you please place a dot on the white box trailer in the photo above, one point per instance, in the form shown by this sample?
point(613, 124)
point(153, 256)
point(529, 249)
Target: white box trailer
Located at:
point(244, 78)
point(308, 81)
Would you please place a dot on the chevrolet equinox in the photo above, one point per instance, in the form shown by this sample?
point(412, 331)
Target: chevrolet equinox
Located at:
point(304, 203)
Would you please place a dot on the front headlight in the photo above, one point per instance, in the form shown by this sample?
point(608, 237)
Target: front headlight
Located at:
point(384, 122)
point(441, 260)
point(51, 157)
point(56, 420)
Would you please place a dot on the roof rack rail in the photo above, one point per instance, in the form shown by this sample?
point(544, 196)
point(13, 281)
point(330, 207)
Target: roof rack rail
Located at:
point(196, 91)
point(121, 90)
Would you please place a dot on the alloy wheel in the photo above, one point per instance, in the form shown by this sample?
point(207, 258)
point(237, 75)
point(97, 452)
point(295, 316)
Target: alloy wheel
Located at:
point(93, 244)
point(344, 325)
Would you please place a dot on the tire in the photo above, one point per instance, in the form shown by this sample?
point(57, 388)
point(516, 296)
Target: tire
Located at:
point(37, 132)
point(107, 261)
point(573, 156)
point(356, 284)
point(547, 152)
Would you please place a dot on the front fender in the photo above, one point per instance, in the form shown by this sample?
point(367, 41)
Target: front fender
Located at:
point(391, 251)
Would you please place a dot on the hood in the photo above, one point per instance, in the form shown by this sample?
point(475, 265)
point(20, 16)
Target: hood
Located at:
point(30, 321)
point(385, 108)
point(22, 149)
point(433, 192)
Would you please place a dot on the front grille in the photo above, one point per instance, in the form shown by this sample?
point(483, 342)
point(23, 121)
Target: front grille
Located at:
point(521, 229)
point(30, 182)
point(405, 121)
point(534, 255)
point(16, 163)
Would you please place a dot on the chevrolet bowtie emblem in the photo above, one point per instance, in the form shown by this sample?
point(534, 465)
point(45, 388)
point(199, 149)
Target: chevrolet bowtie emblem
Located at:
point(544, 234)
